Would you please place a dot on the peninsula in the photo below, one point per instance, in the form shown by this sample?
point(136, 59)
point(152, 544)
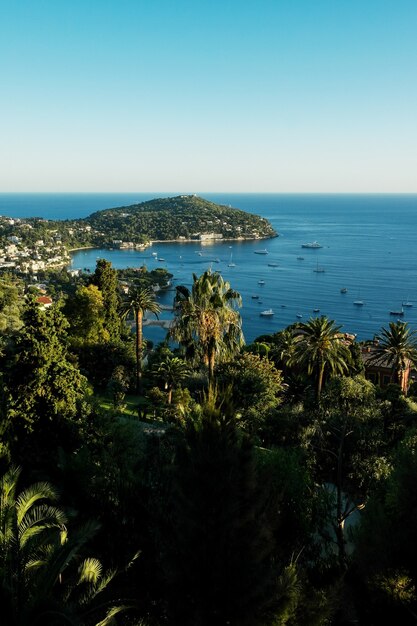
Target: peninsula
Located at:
point(34, 243)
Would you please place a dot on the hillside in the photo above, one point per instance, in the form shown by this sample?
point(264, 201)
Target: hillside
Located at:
point(181, 217)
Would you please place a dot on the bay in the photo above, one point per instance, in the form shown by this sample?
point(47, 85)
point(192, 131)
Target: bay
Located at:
point(369, 246)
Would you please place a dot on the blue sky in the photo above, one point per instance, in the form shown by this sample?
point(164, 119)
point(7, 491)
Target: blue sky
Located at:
point(226, 95)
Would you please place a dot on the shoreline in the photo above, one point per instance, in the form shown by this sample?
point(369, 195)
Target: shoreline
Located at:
point(81, 248)
point(194, 241)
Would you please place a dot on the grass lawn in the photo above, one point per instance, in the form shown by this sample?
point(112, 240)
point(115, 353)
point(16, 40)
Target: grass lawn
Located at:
point(131, 403)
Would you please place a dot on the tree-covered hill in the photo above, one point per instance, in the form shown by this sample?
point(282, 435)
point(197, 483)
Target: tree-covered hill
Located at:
point(33, 244)
point(179, 217)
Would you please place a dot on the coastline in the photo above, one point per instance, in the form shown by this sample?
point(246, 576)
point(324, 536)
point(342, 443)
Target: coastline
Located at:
point(81, 248)
point(194, 241)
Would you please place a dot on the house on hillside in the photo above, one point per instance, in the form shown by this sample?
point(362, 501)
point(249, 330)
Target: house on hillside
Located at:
point(44, 302)
point(380, 371)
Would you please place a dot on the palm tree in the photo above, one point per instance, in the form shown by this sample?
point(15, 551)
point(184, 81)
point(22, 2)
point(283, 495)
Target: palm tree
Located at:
point(321, 348)
point(206, 320)
point(172, 371)
point(398, 347)
point(37, 585)
point(283, 348)
point(138, 301)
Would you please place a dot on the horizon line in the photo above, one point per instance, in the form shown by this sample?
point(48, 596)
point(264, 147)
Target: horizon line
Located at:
point(198, 193)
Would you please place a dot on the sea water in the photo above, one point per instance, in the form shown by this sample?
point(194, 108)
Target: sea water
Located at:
point(369, 247)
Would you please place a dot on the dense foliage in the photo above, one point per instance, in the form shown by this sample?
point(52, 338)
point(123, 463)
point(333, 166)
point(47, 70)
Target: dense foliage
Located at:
point(202, 482)
point(182, 216)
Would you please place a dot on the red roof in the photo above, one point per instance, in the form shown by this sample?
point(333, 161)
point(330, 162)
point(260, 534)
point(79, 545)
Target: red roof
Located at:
point(44, 300)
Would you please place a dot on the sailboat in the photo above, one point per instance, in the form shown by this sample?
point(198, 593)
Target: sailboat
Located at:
point(231, 264)
point(319, 269)
point(398, 313)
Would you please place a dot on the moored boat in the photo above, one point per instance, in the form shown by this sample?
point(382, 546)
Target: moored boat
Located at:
point(260, 251)
point(312, 245)
point(343, 290)
point(319, 269)
point(267, 313)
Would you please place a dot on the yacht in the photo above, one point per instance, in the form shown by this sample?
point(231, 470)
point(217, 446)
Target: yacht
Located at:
point(260, 251)
point(267, 313)
point(272, 264)
point(398, 313)
point(261, 282)
point(314, 245)
point(359, 302)
point(299, 315)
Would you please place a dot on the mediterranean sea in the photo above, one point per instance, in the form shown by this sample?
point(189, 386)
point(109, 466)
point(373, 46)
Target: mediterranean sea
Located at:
point(369, 247)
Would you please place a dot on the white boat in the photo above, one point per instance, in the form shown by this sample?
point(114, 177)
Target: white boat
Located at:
point(161, 259)
point(154, 253)
point(407, 304)
point(267, 313)
point(261, 282)
point(260, 251)
point(314, 245)
point(316, 310)
point(359, 301)
point(272, 264)
point(299, 315)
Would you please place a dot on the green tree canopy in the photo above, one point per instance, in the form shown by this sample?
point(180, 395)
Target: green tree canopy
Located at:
point(105, 278)
point(206, 320)
point(321, 348)
point(45, 389)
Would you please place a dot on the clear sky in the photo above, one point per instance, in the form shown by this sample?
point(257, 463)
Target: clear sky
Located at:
point(208, 95)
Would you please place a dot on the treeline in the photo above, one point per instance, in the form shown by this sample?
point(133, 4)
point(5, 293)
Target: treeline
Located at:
point(200, 481)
